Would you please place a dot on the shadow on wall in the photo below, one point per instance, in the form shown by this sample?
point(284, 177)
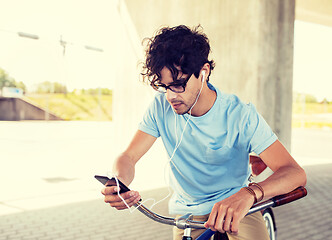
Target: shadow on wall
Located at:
point(16, 109)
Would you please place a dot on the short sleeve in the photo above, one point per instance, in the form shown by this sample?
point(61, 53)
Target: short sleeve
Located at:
point(149, 123)
point(259, 134)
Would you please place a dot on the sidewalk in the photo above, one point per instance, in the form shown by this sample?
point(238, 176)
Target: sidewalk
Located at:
point(85, 220)
point(308, 218)
point(48, 190)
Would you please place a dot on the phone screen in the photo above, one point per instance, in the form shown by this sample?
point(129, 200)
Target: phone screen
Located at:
point(112, 182)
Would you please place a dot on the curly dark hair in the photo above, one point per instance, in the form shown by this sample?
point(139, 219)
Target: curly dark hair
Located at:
point(174, 47)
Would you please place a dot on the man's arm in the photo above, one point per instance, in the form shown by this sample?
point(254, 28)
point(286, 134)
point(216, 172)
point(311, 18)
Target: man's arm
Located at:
point(124, 169)
point(124, 166)
point(288, 175)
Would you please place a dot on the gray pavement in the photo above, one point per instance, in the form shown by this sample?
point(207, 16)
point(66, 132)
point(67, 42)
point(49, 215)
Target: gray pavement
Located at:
point(85, 220)
point(308, 218)
point(48, 190)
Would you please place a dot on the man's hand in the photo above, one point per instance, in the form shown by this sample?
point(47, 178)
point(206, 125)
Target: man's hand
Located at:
point(124, 168)
point(111, 197)
point(227, 214)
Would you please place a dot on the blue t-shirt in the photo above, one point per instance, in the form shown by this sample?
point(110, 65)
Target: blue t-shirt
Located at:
point(212, 161)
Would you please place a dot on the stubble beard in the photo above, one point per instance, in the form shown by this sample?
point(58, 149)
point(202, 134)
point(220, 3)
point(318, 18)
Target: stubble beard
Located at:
point(187, 107)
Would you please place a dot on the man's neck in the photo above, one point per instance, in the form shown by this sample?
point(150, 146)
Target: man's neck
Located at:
point(205, 102)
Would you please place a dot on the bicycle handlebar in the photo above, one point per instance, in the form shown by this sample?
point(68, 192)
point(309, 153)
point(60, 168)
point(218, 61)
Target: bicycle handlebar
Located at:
point(185, 221)
point(298, 193)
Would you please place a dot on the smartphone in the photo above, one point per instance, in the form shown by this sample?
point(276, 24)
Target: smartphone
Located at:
point(112, 182)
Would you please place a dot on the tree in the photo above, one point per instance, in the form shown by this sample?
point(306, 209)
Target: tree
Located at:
point(51, 87)
point(304, 97)
point(97, 91)
point(310, 98)
point(7, 81)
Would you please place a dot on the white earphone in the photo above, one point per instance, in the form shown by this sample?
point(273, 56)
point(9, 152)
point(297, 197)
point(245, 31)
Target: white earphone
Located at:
point(203, 76)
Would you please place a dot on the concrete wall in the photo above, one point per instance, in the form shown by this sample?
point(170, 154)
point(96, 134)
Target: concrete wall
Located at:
point(252, 44)
point(15, 109)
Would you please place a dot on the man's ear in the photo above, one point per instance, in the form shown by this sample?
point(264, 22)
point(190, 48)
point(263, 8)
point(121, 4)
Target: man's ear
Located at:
point(205, 72)
point(203, 76)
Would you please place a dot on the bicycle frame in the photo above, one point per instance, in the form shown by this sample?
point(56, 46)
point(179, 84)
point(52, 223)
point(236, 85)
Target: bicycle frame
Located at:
point(187, 224)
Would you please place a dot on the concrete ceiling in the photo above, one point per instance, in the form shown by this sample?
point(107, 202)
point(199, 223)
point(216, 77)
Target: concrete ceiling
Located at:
point(314, 11)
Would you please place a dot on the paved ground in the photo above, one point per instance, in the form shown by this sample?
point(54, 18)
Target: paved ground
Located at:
point(85, 220)
point(308, 218)
point(48, 191)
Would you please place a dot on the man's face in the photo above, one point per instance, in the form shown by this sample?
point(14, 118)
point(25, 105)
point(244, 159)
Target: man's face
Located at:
point(181, 102)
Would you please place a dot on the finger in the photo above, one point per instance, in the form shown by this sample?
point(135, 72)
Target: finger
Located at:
point(235, 223)
point(133, 200)
point(130, 199)
point(212, 218)
point(112, 197)
point(110, 190)
point(219, 224)
point(130, 202)
point(136, 200)
point(121, 208)
point(228, 220)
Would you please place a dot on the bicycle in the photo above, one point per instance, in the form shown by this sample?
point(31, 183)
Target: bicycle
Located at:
point(185, 222)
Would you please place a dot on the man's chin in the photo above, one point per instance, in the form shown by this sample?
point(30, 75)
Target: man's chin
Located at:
point(180, 112)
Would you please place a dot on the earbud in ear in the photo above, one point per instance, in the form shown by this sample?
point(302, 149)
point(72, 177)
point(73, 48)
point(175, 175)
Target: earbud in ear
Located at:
point(203, 76)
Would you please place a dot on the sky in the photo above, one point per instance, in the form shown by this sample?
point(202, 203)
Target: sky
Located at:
point(312, 71)
point(96, 23)
point(80, 23)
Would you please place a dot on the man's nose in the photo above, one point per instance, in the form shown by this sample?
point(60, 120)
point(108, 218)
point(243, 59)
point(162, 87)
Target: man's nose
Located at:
point(171, 95)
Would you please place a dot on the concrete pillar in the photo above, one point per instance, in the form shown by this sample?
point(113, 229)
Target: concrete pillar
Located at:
point(252, 44)
point(255, 55)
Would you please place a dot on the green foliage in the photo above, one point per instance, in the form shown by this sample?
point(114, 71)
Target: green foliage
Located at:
point(325, 101)
point(95, 91)
point(7, 81)
point(310, 99)
point(312, 108)
point(312, 115)
point(72, 106)
point(51, 87)
point(307, 98)
point(311, 124)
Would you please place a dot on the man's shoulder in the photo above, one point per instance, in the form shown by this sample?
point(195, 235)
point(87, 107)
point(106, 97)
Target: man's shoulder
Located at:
point(235, 108)
point(233, 101)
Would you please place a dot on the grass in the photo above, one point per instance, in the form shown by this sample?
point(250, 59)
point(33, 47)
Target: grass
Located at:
point(75, 107)
point(311, 124)
point(312, 108)
point(311, 115)
point(88, 107)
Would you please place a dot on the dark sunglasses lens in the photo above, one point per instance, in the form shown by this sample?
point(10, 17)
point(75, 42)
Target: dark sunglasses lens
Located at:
point(177, 88)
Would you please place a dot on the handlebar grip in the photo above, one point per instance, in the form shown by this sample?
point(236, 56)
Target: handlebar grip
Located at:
point(298, 193)
point(207, 234)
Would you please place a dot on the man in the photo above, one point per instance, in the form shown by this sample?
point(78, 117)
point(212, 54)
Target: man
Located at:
point(208, 136)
